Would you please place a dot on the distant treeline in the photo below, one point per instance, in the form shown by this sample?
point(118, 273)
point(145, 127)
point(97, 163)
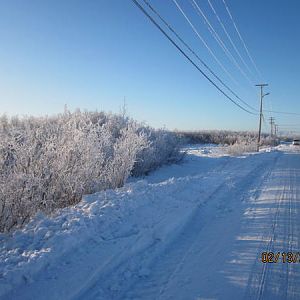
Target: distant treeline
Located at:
point(224, 137)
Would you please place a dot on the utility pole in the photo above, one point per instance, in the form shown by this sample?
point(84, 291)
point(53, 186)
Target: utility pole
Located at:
point(261, 85)
point(272, 123)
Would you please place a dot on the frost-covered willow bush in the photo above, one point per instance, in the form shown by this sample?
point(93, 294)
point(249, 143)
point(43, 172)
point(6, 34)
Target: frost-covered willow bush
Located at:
point(164, 147)
point(50, 162)
point(241, 147)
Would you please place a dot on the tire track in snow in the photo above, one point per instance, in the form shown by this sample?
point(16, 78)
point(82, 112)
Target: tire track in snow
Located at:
point(269, 248)
point(256, 283)
point(278, 280)
point(293, 286)
point(170, 264)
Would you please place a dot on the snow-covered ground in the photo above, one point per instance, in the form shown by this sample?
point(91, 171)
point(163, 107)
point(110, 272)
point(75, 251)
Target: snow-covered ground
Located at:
point(193, 230)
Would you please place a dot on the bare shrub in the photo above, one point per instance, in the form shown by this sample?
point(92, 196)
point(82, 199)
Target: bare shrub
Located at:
point(164, 147)
point(50, 162)
point(240, 148)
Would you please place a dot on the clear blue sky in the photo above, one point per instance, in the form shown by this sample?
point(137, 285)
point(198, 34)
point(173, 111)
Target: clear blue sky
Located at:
point(92, 54)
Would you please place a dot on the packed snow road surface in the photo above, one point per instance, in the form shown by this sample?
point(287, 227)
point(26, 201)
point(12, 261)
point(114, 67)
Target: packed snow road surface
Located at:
point(191, 231)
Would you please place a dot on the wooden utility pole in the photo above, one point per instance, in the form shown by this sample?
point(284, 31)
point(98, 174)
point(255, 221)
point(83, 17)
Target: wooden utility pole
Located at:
point(272, 123)
point(261, 85)
point(276, 129)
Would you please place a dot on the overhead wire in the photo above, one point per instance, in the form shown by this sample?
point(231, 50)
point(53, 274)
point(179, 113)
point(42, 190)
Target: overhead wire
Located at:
point(195, 54)
point(269, 115)
point(204, 42)
point(187, 57)
point(269, 100)
point(241, 39)
point(289, 125)
point(219, 40)
point(290, 131)
point(229, 37)
point(264, 122)
point(282, 112)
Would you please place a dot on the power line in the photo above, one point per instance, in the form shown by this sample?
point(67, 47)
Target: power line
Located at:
point(218, 39)
point(195, 54)
point(286, 125)
point(272, 124)
point(282, 112)
point(203, 41)
point(187, 57)
point(228, 36)
point(242, 40)
point(291, 131)
point(264, 122)
point(270, 105)
point(289, 127)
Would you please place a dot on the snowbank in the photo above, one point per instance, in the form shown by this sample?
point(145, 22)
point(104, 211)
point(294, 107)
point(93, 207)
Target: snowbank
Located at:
point(147, 212)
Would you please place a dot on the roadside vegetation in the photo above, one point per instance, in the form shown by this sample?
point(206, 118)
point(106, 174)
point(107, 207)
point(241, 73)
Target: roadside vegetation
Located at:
point(236, 142)
point(223, 137)
point(48, 163)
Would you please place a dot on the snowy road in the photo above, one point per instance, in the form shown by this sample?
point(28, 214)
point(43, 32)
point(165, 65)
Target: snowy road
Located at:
point(218, 256)
point(240, 208)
